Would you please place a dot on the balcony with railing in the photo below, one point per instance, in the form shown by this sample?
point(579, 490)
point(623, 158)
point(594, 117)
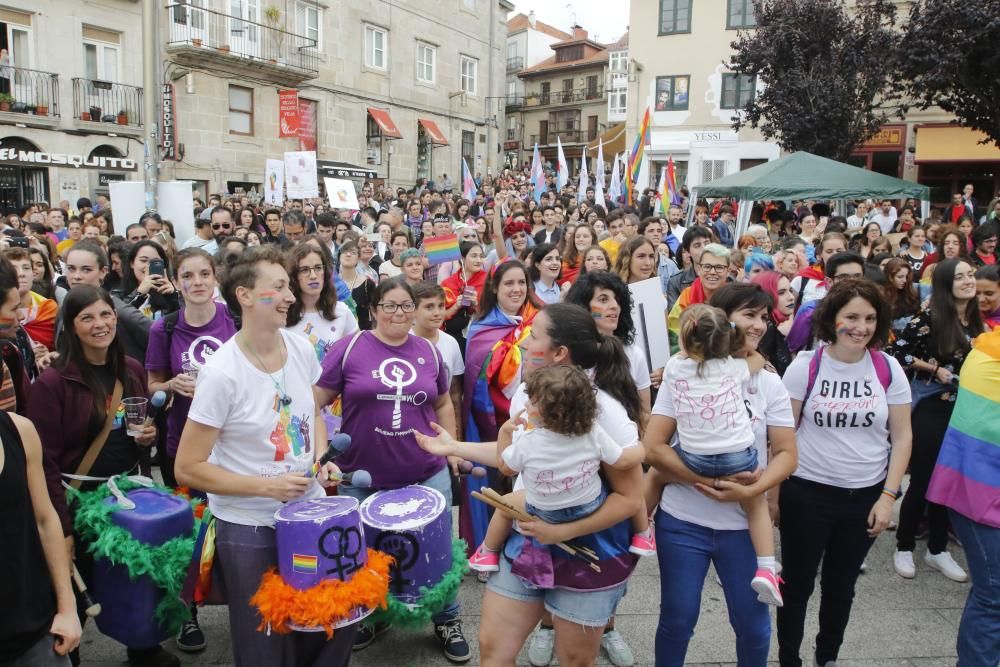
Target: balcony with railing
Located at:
point(574, 96)
point(107, 102)
point(515, 64)
point(29, 97)
point(200, 37)
point(570, 136)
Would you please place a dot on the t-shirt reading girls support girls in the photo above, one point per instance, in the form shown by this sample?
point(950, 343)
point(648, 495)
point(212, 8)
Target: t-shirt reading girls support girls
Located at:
point(843, 437)
point(259, 434)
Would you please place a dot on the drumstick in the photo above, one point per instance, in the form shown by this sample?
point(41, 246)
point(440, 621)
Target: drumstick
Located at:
point(570, 547)
point(518, 515)
point(92, 608)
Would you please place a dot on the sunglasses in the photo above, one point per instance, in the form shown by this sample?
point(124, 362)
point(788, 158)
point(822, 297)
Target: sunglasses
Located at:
point(221, 226)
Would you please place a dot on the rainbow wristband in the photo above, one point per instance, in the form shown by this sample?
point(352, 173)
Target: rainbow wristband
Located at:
point(889, 492)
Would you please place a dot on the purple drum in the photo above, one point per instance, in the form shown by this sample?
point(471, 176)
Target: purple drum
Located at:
point(127, 605)
point(412, 525)
point(321, 539)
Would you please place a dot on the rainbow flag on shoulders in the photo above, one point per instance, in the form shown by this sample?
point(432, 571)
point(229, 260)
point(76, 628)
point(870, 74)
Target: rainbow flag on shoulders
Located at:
point(967, 475)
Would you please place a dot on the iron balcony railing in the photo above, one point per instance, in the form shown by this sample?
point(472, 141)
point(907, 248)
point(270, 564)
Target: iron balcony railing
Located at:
point(107, 102)
point(565, 96)
point(29, 91)
point(514, 64)
point(241, 37)
point(566, 136)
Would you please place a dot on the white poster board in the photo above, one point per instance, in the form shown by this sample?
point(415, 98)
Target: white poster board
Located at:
point(69, 189)
point(274, 182)
point(175, 202)
point(341, 193)
point(128, 202)
point(649, 313)
point(301, 177)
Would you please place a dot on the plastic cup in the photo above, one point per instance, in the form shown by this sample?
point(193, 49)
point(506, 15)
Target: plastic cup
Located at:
point(191, 369)
point(135, 414)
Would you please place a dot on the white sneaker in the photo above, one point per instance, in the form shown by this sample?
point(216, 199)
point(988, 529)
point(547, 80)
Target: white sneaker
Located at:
point(902, 562)
point(946, 565)
point(540, 648)
point(618, 651)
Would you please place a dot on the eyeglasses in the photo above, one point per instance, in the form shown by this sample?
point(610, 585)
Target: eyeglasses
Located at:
point(391, 307)
point(848, 276)
point(309, 270)
point(714, 268)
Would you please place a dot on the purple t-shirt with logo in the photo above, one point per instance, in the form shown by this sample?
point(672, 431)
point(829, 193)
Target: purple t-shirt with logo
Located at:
point(187, 344)
point(387, 393)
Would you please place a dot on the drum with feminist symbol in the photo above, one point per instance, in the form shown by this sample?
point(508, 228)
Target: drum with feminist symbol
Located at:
point(412, 525)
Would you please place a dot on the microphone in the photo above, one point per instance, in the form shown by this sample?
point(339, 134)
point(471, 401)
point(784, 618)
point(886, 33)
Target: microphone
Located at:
point(156, 404)
point(339, 443)
point(359, 478)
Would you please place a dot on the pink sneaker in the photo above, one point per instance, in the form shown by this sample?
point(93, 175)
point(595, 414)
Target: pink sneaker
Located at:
point(643, 545)
point(767, 585)
point(485, 561)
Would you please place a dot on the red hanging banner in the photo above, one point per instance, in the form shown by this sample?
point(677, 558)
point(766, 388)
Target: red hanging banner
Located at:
point(307, 124)
point(288, 113)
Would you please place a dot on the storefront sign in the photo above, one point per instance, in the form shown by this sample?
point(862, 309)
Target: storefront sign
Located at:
point(288, 113)
point(168, 124)
point(103, 179)
point(511, 145)
point(41, 158)
point(887, 136)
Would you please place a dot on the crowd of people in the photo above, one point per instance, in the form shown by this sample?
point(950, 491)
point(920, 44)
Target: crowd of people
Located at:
point(816, 361)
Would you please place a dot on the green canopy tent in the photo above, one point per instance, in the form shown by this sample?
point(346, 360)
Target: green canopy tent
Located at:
point(804, 176)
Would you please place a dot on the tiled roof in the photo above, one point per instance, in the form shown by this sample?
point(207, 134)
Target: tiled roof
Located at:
point(550, 64)
point(520, 22)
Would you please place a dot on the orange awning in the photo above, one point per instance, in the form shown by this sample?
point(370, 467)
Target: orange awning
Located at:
point(613, 140)
point(437, 137)
point(952, 143)
point(385, 124)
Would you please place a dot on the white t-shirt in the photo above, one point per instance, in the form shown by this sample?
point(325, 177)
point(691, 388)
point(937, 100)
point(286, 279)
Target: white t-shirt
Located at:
point(768, 405)
point(637, 364)
point(709, 408)
point(389, 270)
point(321, 332)
point(815, 289)
point(257, 435)
point(450, 353)
point(843, 436)
point(885, 221)
point(560, 470)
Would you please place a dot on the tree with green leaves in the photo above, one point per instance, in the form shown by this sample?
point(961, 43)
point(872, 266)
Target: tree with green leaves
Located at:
point(828, 73)
point(952, 60)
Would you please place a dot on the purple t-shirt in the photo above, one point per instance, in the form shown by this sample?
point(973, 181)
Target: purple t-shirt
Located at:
point(187, 344)
point(387, 393)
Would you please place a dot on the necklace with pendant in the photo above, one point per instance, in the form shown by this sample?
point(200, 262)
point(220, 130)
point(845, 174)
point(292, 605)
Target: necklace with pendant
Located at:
point(283, 396)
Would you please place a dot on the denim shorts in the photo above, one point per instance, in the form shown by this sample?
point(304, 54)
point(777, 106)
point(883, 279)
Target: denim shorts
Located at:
point(567, 514)
point(589, 608)
point(720, 465)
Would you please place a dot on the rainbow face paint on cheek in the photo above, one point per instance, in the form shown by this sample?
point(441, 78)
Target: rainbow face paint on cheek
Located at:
point(267, 298)
point(7, 324)
point(842, 328)
point(536, 358)
point(596, 315)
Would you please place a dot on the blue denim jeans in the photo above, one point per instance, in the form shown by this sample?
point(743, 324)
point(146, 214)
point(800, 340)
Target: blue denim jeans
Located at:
point(439, 481)
point(568, 514)
point(979, 631)
point(720, 465)
point(684, 551)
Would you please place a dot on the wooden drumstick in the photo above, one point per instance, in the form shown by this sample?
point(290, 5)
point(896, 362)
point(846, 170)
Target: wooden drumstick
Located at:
point(494, 500)
point(92, 608)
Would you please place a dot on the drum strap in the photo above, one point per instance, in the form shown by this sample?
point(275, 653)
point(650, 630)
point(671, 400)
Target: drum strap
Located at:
point(98, 444)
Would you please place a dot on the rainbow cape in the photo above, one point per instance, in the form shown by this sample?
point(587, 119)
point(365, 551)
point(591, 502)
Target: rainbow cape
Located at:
point(492, 373)
point(967, 475)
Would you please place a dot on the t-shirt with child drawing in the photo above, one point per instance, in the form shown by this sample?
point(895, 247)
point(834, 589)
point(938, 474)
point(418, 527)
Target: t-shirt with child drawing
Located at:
point(560, 471)
point(711, 415)
point(323, 333)
point(259, 435)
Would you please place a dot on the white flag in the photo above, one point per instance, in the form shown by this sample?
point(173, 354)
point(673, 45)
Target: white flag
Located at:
point(599, 176)
point(662, 205)
point(562, 173)
point(581, 189)
point(615, 189)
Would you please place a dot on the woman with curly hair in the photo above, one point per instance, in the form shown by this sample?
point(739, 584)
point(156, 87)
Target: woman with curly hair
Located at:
point(900, 292)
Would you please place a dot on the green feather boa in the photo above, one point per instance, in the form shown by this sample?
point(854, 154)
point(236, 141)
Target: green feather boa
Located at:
point(432, 600)
point(166, 564)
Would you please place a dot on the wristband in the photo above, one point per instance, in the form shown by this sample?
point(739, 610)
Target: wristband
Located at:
point(888, 492)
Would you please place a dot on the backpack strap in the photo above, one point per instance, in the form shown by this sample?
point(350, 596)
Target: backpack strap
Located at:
point(801, 294)
point(883, 371)
point(811, 379)
point(350, 346)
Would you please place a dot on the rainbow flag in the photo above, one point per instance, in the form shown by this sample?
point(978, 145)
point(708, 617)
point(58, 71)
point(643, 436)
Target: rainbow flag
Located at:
point(441, 249)
point(967, 475)
point(671, 195)
point(635, 158)
point(305, 564)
